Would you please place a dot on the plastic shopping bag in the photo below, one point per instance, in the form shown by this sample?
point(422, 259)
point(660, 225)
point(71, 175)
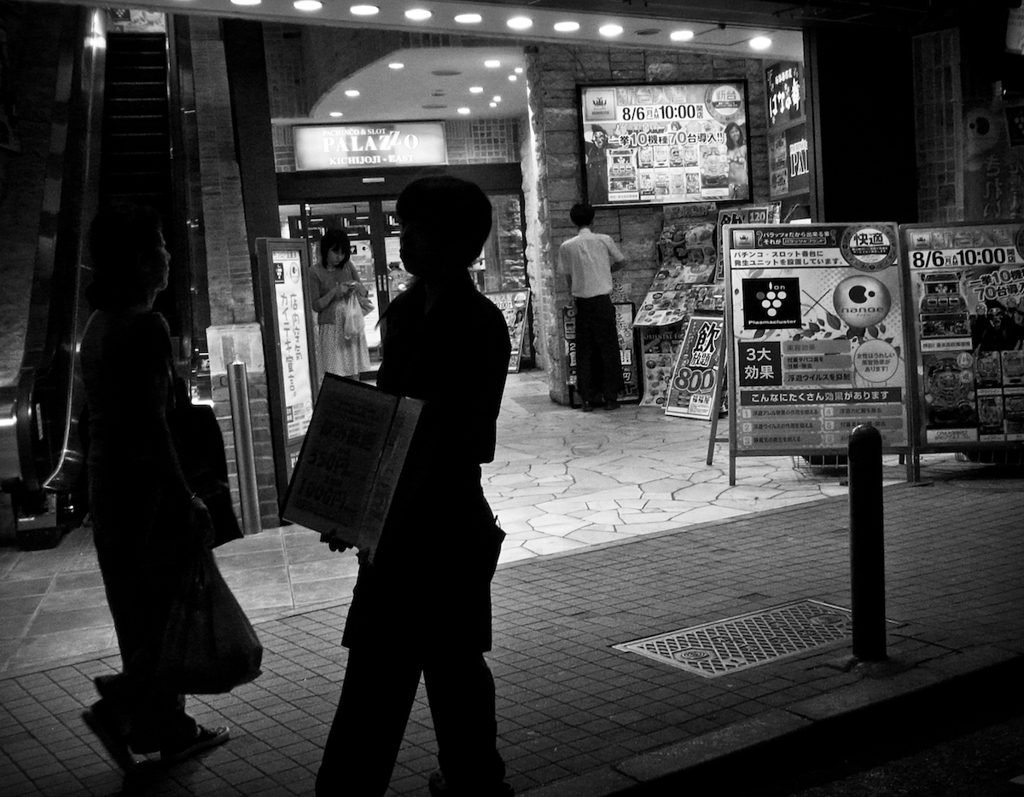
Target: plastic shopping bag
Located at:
point(209, 645)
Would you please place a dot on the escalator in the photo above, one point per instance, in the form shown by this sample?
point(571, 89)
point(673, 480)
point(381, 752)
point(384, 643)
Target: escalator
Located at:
point(116, 147)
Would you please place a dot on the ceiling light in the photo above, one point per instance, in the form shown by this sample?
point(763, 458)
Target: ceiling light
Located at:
point(418, 14)
point(567, 27)
point(494, 105)
point(513, 78)
point(246, 2)
point(492, 64)
point(519, 70)
point(307, 5)
point(463, 111)
point(476, 89)
point(336, 114)
point(351, 92)
point(469, 19)
point(396, 65)
point(760, 43)
point(364, 11)
point(497, 98)
point(520, 23)
point(683, 35)
point(610, 30)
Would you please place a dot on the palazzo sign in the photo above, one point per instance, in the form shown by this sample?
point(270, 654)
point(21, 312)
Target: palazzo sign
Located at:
point(369, 146)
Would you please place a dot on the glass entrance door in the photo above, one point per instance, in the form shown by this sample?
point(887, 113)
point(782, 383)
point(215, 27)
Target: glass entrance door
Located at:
point(371, 232)
point(372, 226)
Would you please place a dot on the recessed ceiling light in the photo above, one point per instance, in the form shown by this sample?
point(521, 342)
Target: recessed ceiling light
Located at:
point(513, 78)
point(494, 105)
point(463, 111)
point(610, 30)
point(760, 43)
point(418, 14)
point(492, 64)
point(469, 19)
point(476, 89)
point(364, 11)
point(520, 23)
point(519, 70)
point(683, 35)
point(307, 5)
point(246, 2)
point(497, 98)
point(396, 65)
point(336, 114)
point(351, 92)
point(567, 27)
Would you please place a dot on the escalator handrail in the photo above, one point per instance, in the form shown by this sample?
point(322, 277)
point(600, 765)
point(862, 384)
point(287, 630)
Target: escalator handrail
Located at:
point(71, 198)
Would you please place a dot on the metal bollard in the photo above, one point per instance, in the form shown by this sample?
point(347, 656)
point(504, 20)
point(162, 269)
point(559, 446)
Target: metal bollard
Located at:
point(867, 552)
point(245, 455)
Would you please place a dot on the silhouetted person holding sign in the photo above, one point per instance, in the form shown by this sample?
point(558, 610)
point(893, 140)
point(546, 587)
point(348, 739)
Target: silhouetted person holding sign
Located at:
point(423, 606)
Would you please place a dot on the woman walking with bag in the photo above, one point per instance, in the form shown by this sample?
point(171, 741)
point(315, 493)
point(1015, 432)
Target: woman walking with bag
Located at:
point(340, 300)
point(147, 521)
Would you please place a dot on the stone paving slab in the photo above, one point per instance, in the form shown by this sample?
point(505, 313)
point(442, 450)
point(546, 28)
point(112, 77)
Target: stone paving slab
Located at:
point(577, 717)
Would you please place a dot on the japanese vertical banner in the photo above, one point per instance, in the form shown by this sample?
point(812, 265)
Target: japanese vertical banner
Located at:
point(292, 335)
point(817, 341)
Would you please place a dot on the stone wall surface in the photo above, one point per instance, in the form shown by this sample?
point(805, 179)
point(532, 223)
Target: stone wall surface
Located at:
point(229, 264)
point(554, 71)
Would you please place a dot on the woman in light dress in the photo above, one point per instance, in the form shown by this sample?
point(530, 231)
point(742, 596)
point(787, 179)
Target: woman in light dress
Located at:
point(338, 295)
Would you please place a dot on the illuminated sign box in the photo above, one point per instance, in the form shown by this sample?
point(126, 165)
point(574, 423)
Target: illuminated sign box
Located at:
point(369, 146)
point(659, 143)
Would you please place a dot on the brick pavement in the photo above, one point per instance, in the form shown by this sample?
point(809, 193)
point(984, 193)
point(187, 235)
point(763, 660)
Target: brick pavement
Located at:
point(577, 717)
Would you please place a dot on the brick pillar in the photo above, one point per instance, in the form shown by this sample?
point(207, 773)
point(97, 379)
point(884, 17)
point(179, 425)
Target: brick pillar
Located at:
point(229, 265)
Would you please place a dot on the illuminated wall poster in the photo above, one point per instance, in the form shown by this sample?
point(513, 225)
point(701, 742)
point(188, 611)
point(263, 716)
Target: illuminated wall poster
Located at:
point(965, 287)
point(665, 143)
point(817, 336)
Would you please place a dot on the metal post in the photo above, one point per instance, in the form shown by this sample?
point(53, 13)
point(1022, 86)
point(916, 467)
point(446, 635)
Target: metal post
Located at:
point(867, 553)
point(245, 455)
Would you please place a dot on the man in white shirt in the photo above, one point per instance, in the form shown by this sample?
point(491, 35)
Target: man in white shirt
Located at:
point(587, 262)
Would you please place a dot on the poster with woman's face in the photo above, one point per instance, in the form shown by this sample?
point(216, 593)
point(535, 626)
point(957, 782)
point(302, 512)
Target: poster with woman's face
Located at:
point(665, 143)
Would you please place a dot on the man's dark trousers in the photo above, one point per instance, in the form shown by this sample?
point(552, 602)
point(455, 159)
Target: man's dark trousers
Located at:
point(376, 699)
point(598, 363)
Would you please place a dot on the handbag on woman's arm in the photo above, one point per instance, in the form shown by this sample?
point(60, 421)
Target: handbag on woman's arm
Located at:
point(200, 446)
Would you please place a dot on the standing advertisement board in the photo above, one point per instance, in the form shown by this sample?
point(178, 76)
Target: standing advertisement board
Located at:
point(514, 305)
point(816, 338)
point(965, 300)
point(627, 349)
point(287, 323)
point(696, 377)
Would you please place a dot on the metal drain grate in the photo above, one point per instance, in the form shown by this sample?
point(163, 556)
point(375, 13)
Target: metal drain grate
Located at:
point(739, 643)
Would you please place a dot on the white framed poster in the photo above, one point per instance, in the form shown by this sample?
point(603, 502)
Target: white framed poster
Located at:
point(965, 294)
point(817, 337)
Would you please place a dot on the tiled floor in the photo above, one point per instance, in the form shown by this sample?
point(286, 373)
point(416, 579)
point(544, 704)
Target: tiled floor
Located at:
point(575, 715)
point(562, 481)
